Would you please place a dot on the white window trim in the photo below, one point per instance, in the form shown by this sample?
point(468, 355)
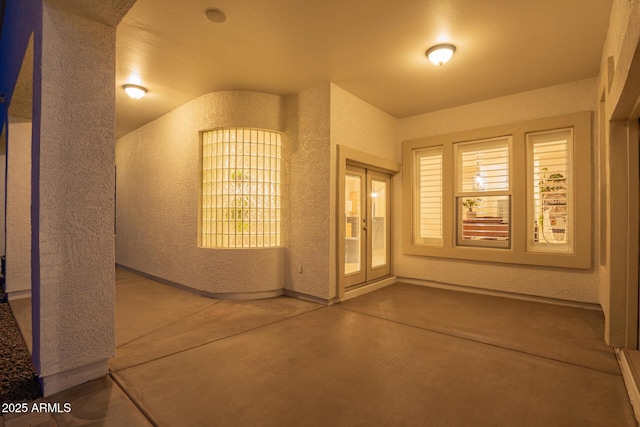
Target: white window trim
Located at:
point(539, 246)
point(517, 253)
point(459, 193)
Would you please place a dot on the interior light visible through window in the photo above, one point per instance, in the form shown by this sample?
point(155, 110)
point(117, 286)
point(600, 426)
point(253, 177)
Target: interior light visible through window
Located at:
point(479, 181)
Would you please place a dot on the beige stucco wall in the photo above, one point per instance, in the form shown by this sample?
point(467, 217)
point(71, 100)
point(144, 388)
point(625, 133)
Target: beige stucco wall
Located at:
point(3, 194)
point(73, 296)
point(359, 125)
point(619, 90)
point(567, 284)
point(309, 194)
point(373, 136)
point(320, 119)
point(158, 173)
point(18, 209)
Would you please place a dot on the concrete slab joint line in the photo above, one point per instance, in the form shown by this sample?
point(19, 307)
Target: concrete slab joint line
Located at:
point(496, 344)
point(135, 402)
point(254, 358)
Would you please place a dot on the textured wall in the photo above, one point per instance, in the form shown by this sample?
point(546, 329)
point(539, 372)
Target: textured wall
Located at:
point(311, 219)
point(3, 196)
point(620, 88)
point(18, 207)
point(158, 174)
point(73, 280)
point(575, 285)
point(536, 104)
point(359, 125)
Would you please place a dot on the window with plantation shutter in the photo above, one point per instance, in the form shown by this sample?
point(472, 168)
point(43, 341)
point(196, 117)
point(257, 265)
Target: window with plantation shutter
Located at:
point(517, 193)
point(483, 198)
point(428, 223)
point(550, 191)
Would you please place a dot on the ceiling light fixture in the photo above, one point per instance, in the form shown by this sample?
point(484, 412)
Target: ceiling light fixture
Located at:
point(440, 53)
point(135, 91)
point(215, 15)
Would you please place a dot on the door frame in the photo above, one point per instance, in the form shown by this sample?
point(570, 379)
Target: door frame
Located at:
point(346, 155)
point(357, 277)
point(366, 223)
point(373, 273)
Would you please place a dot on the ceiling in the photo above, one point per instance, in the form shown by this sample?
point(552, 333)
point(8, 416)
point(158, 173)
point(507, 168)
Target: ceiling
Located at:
point(371, 48)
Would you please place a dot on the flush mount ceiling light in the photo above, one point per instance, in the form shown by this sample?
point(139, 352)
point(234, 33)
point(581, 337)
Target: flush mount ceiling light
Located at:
point(215, 15)
point(135, 91)
point(440, 53)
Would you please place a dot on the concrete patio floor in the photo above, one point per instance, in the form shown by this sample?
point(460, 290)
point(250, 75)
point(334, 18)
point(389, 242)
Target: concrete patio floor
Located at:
point(402, 355)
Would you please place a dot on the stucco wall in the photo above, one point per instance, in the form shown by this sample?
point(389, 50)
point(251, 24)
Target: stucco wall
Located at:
point(309, 195)
point(158, 174)
point(18, 209)
point(3, 196)
point(373, 133)
point(619, 88)
point(567, 284)
point(72, 200)
point(359, 125)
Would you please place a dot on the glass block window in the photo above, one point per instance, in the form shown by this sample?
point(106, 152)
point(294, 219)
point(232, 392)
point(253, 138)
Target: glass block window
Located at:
point(240, 199)
point(428, 189)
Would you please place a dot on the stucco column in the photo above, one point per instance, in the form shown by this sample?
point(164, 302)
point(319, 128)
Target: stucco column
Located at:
point(18, 201)
point(73, 263)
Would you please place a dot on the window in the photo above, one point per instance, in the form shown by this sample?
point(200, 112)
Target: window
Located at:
point(428, 184)
point(518, 193)
point(550, 186)
point(483, 194)
point(240, 198)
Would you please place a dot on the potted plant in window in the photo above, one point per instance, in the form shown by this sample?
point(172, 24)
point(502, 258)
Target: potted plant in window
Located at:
point(552, 220)
point(470, 204)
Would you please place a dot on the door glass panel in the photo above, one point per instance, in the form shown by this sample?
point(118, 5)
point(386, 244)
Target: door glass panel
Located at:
point(353, 214)
point(378, 223)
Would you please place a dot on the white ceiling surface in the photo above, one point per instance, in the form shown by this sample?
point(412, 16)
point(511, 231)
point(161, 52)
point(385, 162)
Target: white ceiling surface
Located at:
point(371, 48)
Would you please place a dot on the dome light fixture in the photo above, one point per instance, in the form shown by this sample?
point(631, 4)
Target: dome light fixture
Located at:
point(440, 53)
point(135, 91)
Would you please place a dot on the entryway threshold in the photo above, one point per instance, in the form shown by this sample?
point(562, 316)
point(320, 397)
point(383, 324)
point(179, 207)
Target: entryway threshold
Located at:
point(365, 288)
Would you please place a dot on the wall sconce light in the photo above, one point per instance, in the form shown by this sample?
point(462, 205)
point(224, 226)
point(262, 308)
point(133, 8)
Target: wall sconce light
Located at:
point(440, 53)
point(135, 91)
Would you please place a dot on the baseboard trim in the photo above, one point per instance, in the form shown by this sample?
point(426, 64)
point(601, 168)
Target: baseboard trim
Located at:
point(505, 294)
point(52, 384)
point(16, 295)
point(215, 295)
point(307, 297)
point(630, 381)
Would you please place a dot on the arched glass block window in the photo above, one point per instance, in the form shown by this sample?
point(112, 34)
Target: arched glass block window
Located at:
point(240, 198)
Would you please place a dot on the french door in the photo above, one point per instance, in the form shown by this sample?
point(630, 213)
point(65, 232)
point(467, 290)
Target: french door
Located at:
point(367, 218)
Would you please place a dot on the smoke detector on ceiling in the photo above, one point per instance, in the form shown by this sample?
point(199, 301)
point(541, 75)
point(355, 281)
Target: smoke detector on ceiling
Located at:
point(215, 15)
